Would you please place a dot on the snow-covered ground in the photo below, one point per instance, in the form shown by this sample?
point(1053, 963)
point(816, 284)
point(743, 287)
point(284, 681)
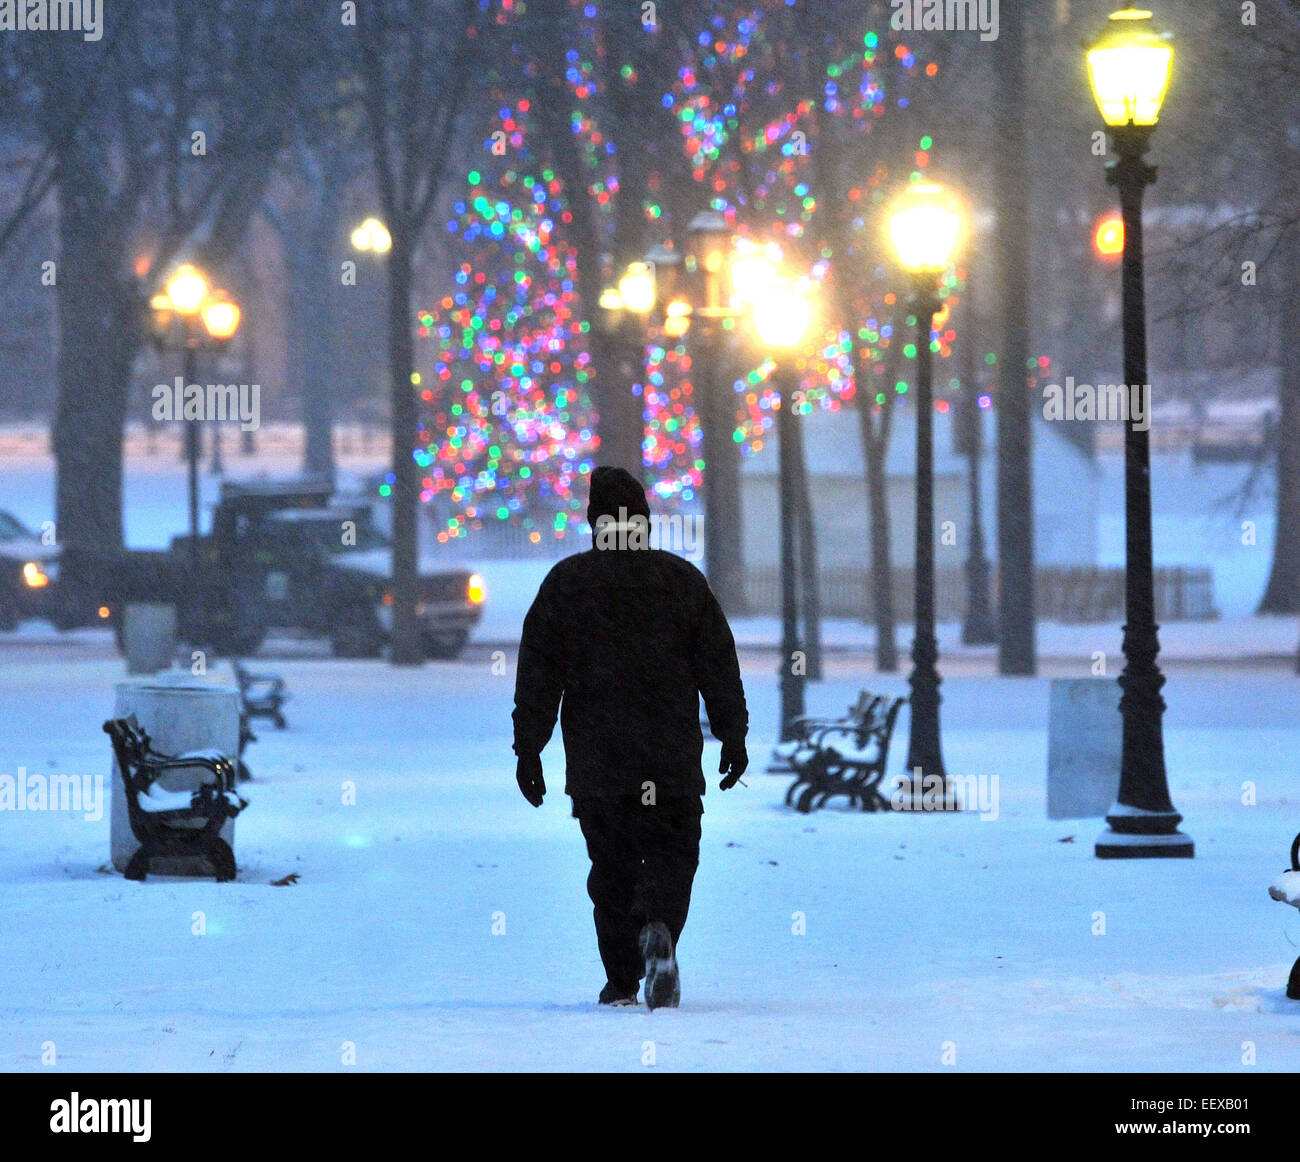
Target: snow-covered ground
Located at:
point(924, 935)
point(925, 939)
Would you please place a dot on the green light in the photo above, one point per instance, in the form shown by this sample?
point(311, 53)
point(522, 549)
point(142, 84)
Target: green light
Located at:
point(475, 177)
point(990, 359)
point(927, 142)
point(900, 387)
point(910, 351)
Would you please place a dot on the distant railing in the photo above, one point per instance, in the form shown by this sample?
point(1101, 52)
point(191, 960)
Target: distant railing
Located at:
point(499, 540)
point(1065, 594)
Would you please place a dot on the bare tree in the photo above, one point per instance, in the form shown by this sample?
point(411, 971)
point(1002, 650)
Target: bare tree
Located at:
point(160, 138)
point(417, 64)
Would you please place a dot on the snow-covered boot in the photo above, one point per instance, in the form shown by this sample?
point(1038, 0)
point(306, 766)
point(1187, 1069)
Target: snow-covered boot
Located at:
point(663, 988)
point(612, 994)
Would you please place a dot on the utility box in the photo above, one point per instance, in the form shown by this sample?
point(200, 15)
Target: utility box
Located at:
point(1084, 744)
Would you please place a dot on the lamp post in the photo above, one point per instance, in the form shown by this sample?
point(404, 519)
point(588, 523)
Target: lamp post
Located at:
point(626, 310)
point(781, 317)
point(979, 627)
point(925, 226)
point(1129, 67)
point(190, 316)
point(372, 238)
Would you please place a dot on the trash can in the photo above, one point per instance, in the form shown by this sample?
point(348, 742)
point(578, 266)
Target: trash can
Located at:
point(180, 713)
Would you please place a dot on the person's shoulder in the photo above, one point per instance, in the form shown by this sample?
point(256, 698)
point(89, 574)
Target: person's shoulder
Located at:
point(567, 570)
point(679, 568)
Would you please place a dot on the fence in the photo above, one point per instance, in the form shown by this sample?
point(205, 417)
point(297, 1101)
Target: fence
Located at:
point(1077, 594)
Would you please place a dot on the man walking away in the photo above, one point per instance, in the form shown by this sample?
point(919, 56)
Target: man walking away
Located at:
point(629, 639)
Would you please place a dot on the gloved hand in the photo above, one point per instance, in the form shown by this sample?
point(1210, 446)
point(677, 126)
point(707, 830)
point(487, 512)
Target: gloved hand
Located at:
point(734, 760)
point(528, 774)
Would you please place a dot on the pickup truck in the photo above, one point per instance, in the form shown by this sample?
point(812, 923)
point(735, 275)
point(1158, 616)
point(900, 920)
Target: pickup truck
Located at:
point(281, 555)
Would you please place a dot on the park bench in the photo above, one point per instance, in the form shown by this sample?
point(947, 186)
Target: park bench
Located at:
point(174, 824)
point(261, 695)
point(791, 755)
point(845, 756)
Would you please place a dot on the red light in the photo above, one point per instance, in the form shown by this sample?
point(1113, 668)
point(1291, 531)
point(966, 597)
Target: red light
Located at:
point(1108, 238)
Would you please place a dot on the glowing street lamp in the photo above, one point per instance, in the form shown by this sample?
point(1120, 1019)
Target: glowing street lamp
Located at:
point(636, 289)
point(754, 273)
point(220, 317)
point(186, 290)
point(1129, 67)
point(926, 225)
point(372, 235)
point(782, 317)
point(207, 318)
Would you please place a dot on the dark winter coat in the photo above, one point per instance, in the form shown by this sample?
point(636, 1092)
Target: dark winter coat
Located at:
point(628, 639)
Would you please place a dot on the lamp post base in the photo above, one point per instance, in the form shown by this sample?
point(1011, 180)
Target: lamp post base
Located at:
point(927, 794)
point(1134, 833)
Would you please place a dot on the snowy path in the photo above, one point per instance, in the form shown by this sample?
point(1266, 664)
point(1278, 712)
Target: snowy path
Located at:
point(920, 931)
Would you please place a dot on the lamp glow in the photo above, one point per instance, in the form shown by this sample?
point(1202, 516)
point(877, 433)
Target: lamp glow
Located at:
point(782, 316)
point(221, 317)
point(1129, 66)
point(925, 227)
point(186, 290)
point(1108, 238)
point(373, 235)
point(636, 288)
point(752, 276)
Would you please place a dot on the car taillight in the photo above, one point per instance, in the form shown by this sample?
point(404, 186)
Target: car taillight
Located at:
point(477, 589)
point(104, 612)
point(34, 576)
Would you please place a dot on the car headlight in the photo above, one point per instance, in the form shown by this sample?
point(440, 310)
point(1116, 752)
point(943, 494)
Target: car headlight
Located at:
point(34, 577)
point(476, 591)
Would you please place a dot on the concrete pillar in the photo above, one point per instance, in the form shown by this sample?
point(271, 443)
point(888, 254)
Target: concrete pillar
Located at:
point(148, 637)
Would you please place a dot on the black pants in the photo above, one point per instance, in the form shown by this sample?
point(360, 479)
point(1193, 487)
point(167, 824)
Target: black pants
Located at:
point(643, 862)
